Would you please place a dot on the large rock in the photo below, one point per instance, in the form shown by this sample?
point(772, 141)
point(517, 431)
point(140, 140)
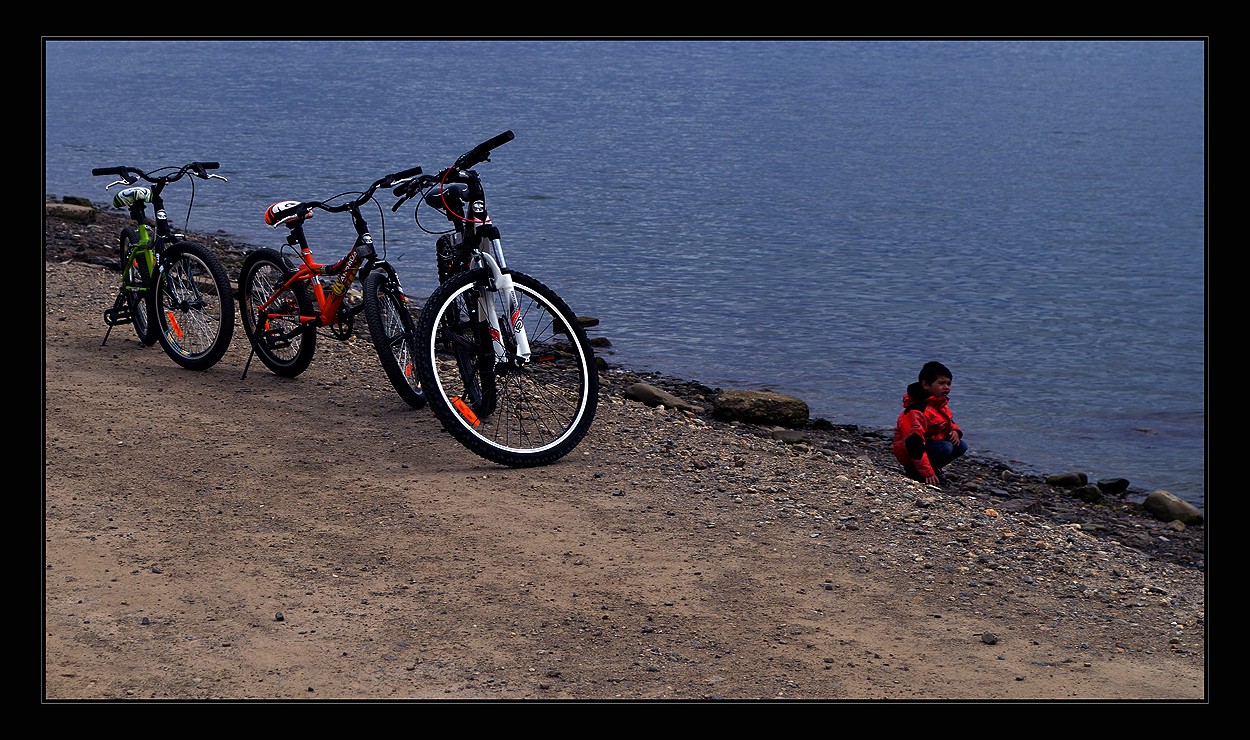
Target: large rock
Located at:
point(1114, 486)
point(1170, 508)
point(1088, 493)
point(761, 407)
point(1068, 480)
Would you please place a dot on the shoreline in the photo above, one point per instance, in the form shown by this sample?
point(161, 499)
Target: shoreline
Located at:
point(229, 535)
point(234, 248)
point(1121, 516)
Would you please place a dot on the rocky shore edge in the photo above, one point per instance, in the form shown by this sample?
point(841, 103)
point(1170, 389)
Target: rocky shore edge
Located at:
point(1153, 522)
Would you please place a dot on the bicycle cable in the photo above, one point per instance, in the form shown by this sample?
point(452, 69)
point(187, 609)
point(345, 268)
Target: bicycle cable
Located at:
point(186, 224)
point(416, 214)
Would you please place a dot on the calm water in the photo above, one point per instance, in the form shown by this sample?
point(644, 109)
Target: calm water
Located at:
point(818, 218)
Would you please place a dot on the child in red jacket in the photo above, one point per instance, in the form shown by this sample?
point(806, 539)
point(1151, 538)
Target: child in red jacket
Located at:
point(926, 437)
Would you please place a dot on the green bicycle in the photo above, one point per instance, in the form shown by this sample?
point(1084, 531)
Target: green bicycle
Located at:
point(172, 290)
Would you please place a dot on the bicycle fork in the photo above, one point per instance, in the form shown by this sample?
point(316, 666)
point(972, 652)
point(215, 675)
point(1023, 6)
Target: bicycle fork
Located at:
point(501, 284)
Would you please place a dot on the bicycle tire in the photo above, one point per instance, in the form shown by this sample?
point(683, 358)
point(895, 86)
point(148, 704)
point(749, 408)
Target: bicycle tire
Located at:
point(284, 347)
point(136, 284)
point(526, 416)
point(394, 335)
point(194, 306)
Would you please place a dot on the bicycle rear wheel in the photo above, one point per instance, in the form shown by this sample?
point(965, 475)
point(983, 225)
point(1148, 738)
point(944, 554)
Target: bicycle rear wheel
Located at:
point(394, 335)
point(519, 414)
point(136, 284)
point(283, 343)
point(194, 306)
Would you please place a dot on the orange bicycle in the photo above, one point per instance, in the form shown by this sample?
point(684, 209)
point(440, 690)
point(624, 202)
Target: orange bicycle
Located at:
point(284, 302)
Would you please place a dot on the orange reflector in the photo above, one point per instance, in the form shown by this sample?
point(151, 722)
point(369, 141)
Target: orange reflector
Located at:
point(173, 322)
point(465, 411)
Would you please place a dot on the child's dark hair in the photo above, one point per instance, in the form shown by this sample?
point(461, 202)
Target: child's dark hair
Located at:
point(933, 370)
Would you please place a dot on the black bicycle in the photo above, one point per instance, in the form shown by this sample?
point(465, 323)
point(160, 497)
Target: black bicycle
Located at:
point(504, 361)
point(284, 302)
point(173, 291)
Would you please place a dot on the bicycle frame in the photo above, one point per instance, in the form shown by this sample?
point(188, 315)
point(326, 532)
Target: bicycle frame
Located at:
point(356, 265)
point(329, 303)
point(145, 246)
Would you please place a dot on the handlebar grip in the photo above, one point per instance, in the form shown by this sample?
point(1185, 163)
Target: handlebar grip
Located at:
point(387, 181)
point(480, 152)
point(208, 165)
point(497, 141)
point(97, 171)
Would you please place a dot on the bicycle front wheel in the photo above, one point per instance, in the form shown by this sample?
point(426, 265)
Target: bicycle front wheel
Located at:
point(136, 284)
point(277, 333)
point(514, 411)
point(194, 306)
point(394, 335)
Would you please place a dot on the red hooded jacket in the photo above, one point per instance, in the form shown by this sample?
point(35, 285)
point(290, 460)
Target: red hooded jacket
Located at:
point(924, 419)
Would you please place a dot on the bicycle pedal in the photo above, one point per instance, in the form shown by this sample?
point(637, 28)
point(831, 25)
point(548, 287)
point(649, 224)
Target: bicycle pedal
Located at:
point(274, 339)
point(118, 315)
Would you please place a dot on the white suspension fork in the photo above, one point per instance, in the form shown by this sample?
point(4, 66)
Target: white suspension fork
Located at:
point(502, 289)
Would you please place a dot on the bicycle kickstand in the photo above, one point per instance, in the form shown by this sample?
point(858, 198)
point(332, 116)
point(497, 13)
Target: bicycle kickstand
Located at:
point(248, 364)
point(111, 316)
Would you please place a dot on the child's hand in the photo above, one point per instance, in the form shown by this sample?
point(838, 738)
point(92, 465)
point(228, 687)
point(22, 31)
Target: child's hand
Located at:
point(955, 435)
point(933, 480)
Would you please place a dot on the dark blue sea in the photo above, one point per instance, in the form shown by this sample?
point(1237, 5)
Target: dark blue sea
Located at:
point(814, 217)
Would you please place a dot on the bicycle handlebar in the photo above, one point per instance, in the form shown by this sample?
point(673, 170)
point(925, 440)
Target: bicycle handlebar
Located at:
point(476, 155)
point(384, 183)
point(131, 174)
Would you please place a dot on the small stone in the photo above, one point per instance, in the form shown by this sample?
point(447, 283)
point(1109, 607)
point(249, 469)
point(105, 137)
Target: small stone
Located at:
point(989, 638)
